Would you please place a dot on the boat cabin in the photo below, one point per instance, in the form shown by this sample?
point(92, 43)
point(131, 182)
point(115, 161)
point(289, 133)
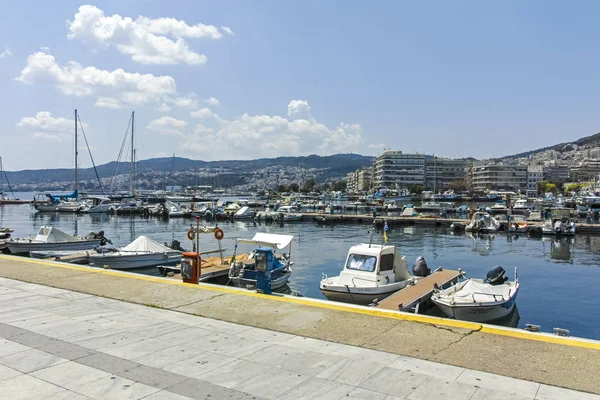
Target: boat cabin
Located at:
point(373, 265)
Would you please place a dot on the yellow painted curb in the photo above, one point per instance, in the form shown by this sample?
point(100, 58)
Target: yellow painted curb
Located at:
point(331, 306)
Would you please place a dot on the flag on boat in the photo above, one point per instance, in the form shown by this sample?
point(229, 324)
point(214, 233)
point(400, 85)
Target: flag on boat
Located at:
point(385, 228)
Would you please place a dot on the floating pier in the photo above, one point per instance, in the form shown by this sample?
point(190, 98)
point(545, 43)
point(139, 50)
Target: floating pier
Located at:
point(412, 297)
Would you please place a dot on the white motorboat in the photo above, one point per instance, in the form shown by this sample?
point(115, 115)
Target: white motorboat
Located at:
point(141, 253)
point(49, 238)
point(97, 205)
point(288, 214)
point(371, 272)
point(244, 213)
point(564, 227)
point(521, 206)
point(483, 222)
point(479, 300)
point(175, 210)
point(499, 208)
point(244, 273)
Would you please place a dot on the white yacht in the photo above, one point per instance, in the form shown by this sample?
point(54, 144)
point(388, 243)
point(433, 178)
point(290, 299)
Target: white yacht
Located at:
point(483, 222)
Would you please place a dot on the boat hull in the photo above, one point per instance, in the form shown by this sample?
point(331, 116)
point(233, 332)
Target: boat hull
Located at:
point(360, 295)
point(134, 261)
point(28, 246)
point(276, 283)
point(476, 313)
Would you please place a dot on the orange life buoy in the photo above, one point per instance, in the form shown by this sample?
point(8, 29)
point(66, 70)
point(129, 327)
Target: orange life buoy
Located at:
point(191, 234)
point(219, 234)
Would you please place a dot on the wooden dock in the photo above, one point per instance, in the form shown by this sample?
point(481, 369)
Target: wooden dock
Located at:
point(409, 298)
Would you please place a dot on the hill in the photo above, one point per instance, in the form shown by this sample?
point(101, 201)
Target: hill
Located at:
point(335, 165)
point(585, 142)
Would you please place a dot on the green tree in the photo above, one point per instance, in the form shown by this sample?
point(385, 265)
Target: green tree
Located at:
point(459, 185)
point(339, 185)
point(573, 187)
point(542, 187)
point(416, 188)
point(283, 188)
point(309, 185)
point(294, 187)
point(325, 186)
point(551, 187)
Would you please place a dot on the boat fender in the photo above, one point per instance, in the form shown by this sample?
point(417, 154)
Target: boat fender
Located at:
point(191, 234)
point(219, 234)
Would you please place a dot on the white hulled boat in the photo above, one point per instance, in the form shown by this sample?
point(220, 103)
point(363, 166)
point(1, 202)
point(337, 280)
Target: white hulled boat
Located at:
point(49, 238)
point(371, 272)
point(479, 300)
point(483, 222)
point(141, 253)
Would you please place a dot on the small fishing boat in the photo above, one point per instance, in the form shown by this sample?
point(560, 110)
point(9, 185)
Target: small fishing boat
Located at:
point(97, 205)
point(49, 238)
point(143, 252)
point(479, 300)
point(244, 273)
point(288, 215)
point(483, 222)
point(371, 272)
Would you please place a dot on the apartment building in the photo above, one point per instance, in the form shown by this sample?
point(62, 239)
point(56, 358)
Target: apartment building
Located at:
point(489, 175)
point(441, 172)
point(403, 170)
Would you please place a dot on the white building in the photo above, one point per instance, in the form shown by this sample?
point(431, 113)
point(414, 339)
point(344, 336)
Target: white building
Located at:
point(393, 167)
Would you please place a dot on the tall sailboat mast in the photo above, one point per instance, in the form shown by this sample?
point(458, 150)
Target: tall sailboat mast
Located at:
point(76, 154)
point(132, 155)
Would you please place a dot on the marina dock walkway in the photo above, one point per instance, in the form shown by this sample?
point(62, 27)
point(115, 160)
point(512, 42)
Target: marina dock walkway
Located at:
point(60, 340)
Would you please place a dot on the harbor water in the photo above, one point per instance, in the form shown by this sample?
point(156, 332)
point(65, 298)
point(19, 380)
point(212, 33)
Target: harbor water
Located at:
point(558, 276)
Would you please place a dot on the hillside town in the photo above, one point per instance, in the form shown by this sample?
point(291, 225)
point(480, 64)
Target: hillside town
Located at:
point(577, 167)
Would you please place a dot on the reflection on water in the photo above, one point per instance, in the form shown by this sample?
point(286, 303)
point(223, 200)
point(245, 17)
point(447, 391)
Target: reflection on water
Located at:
point(549, 268)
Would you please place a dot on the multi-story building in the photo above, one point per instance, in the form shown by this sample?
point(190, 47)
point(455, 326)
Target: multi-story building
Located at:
point(393, 167)
point(363, 179)
point(441, 172)
point(486, 175)
point(535, 173)
point(352, 181)
point(586, 170)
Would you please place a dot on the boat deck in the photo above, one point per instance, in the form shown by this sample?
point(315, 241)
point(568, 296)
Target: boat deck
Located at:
point(409, 297)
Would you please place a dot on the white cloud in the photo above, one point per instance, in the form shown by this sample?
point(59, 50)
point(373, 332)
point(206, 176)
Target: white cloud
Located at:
point(299, 109)
point(164, 108)
point(108, 102)
point(270, 136)
point(189, 101)
point(146, 40)
point(6, 53)
point(212, 102)
point(115, 89)
point(44, 121)
point(48, 136)
point(203, 113)
point(167, 125)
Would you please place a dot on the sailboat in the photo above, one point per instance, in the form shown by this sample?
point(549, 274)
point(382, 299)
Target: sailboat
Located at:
point(3, 198)
point(67, 202)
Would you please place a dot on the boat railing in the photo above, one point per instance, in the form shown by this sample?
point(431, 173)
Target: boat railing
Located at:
point(364, 279)
point(488, 294)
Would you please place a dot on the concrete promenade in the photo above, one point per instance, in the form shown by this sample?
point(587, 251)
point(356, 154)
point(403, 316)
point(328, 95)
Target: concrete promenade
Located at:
point(60, 341)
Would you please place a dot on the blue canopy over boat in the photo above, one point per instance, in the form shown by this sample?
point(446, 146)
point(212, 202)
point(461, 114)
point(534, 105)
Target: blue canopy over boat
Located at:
point(56, 198)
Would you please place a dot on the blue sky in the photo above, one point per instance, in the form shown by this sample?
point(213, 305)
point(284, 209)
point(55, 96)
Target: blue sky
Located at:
point(270, 78)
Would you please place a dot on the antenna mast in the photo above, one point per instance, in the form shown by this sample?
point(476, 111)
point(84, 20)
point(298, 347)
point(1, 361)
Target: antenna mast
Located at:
point(132, 156)
point(76, 154)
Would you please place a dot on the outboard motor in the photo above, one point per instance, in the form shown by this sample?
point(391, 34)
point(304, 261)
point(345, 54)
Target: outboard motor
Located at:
point(495, 276)
point(420, 268)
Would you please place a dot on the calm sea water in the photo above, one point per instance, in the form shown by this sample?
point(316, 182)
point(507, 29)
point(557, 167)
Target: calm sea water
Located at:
point(559, 277)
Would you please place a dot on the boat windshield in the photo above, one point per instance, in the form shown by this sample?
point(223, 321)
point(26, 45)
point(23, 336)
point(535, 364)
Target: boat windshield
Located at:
point(361, 262)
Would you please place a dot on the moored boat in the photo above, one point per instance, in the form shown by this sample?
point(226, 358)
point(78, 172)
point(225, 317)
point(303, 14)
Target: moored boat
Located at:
point(143, 252)
point(49, 238)
point(482, 222)
point(479, 300)
point(244, 273)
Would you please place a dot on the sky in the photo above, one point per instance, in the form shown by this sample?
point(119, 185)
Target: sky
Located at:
point(215, 80)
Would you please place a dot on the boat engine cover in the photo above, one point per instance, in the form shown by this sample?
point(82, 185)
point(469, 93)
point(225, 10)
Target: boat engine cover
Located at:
point(420, 268)
point(495, 276)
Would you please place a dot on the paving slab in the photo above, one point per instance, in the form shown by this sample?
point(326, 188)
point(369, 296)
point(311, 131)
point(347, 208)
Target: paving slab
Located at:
point(378, 347)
